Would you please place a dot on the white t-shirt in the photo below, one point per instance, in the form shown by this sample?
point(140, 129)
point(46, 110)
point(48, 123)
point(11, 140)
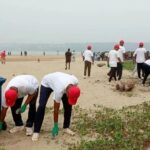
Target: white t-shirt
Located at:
point(88, 54)
point(113, 58)
point(121, 51)
point(147, 62)
point(58, 82)
point(26, 84)
point(140, 55)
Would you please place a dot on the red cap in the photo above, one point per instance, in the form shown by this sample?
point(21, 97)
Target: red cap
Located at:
point(10, 96)
point(141, 44)
point(116, 47)
point(121, 42)
point(89, 47)
point(73, 94)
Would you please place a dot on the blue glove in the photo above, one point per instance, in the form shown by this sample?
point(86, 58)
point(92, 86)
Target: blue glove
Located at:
point(55, 130)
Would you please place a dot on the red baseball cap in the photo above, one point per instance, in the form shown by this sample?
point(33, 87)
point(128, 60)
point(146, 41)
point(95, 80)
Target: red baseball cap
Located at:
point(121, 42)
point(116, 47)
point(89, 47)
point(73, 94)
point(141, 44)
point(10, 96)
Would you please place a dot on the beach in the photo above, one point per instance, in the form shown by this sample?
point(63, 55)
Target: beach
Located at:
point(94, 91)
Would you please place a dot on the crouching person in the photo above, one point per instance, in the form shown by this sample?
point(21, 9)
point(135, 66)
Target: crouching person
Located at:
point(19, 87)
point(66, 90)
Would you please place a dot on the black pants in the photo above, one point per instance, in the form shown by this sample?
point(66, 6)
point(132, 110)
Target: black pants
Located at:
point(146, 69)
point(67, 64)
point(44, 95)
point(112, 73)
point(31, 113)
point(119, 70)
point(139, 69)
point(87, 66)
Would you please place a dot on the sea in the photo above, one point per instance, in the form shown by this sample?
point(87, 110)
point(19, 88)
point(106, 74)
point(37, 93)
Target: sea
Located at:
point(59, 49)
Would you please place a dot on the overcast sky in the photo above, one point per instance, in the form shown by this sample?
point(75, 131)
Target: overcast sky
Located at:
point(61, 21)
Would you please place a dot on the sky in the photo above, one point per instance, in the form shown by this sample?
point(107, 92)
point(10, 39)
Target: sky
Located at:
point(74, 21)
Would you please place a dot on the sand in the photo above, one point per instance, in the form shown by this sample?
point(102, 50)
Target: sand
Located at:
point(94, 91)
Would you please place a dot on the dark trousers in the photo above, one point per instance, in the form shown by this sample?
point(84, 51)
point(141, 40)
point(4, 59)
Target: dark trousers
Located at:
point(146, 69)
point(119, 70)
point(139, 69)
point(112, 73)
point(87, 66)
point(31, 113)
point(67, 64)
point(44, 95)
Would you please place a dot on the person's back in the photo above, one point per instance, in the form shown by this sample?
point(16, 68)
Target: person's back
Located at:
point(68, 56)
point(113, 58)
point(88, 54)
point(140, 55)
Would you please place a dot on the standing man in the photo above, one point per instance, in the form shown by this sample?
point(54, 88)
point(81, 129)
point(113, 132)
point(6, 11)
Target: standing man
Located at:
point(113, 59)
point(140, 56)
point(121, 53)
point(88, 60)
point(66, 90)
point(19, 87)
point(68, 55)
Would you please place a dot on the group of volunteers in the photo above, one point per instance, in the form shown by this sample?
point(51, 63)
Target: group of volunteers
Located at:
point(116, 59)
point(64, 87)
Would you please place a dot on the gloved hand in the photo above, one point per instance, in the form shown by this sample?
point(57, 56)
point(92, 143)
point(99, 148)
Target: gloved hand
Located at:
point(22, 109)
point(55, 130)
point(1, 126)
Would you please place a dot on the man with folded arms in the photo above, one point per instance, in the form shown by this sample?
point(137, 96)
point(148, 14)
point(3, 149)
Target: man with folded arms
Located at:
point(65, 89)
point(19, 87)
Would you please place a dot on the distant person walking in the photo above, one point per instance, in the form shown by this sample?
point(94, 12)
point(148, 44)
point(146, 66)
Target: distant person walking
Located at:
point(73, 56)
point(3, 57)
point(68, 55)
point(88, 60)
point(121, 53)
point(113, 59)
point(140, 56)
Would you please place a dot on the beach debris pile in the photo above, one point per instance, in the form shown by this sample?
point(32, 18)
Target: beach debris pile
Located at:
point(125, 85)
point(101, 64)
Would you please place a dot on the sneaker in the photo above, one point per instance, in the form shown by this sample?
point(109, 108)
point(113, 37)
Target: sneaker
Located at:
point(35, 136)
point(16, 129)
point(68, 131)
point(29, 131)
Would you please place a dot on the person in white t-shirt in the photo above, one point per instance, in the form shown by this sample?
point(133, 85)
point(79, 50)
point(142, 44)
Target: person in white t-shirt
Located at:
point(113, 58)
point(146, 69)
point(121, 53)
point(17, 88)
point(88, 60)
point(140, 56)
point(65, 89)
